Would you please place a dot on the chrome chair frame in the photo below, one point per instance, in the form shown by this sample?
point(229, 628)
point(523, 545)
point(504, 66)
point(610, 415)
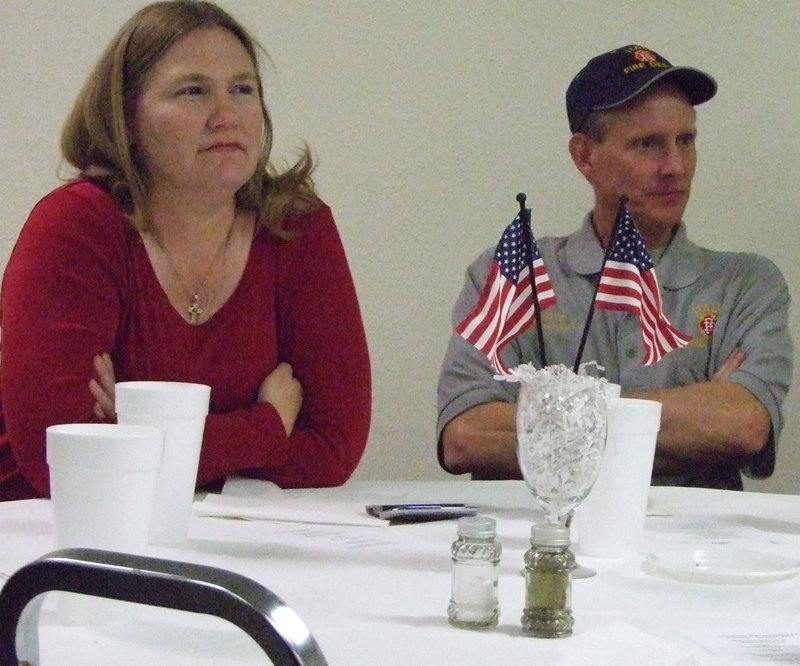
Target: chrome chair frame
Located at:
point(195, 588)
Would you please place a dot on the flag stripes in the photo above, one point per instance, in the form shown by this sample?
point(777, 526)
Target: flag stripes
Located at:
point(628, 282)
point(506, 306)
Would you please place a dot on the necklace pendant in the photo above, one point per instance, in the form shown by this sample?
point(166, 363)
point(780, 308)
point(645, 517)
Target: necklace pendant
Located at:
point(194, 309)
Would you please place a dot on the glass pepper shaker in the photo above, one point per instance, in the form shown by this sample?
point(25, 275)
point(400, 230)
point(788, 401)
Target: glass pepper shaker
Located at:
point(476, 558)
point(548, 583)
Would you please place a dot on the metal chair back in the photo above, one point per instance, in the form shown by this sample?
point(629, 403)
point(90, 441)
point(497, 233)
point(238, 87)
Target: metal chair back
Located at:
point(196, 588)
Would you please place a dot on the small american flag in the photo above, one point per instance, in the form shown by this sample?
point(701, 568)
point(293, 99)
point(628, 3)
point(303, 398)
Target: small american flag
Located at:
point(506, 306)
point(628, 282)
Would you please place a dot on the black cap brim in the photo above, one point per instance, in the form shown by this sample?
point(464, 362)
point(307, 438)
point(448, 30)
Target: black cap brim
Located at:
point(698, 86)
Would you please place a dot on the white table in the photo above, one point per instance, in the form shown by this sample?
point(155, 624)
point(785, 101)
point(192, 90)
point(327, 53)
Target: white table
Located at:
point(378, 595)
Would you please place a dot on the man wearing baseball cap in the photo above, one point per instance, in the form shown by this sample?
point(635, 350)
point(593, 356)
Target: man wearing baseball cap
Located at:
point(633, 122)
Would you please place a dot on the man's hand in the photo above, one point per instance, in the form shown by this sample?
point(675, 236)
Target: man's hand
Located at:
point(710, 420)
point(282, 390)
point(101, 386)
point(482, 440)
point(731, 363)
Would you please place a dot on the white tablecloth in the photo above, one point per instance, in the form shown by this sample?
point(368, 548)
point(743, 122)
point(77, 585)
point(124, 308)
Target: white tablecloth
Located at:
point(377, 595)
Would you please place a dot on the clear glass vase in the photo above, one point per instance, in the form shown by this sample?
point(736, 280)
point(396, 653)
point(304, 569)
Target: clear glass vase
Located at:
point(561, 434)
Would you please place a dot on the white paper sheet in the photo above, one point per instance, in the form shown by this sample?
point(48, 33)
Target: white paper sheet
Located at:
point(282, 509)
point(258, 500)
point(749, 643)
point(623, 644)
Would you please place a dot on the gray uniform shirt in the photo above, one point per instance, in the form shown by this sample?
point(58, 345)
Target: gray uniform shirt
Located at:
point(721, 299)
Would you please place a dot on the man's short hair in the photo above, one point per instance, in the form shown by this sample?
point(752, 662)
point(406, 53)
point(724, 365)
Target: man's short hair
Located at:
point(596, 124)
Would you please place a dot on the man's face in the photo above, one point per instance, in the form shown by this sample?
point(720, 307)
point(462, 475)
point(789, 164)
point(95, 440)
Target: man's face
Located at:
point(647, 154)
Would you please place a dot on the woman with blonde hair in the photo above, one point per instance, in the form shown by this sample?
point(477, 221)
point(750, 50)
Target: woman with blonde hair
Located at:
point(179, 253)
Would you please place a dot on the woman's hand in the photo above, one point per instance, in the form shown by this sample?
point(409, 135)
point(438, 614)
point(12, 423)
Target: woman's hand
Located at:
point(101, 386)
point(284, 393)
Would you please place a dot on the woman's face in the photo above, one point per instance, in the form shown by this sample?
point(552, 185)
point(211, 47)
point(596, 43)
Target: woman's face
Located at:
point(198, 123)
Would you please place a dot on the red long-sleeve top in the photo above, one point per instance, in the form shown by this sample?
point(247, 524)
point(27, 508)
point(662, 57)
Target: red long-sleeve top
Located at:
point(79, 282)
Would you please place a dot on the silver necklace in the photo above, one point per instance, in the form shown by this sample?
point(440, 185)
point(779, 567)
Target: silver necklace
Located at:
point(195, 309)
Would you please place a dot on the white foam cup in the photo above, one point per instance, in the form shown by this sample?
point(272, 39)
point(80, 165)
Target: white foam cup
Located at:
point(611, 391)
point(102, 484)
point(610, 521)
point(180, 410)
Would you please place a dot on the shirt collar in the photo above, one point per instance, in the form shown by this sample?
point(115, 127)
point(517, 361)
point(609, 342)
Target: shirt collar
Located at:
point(680, 266)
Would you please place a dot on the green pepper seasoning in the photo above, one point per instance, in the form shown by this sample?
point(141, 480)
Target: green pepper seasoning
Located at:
point(548, 583)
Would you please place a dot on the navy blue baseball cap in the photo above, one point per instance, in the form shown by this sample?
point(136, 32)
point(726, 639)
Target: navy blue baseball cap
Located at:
point(611, 79)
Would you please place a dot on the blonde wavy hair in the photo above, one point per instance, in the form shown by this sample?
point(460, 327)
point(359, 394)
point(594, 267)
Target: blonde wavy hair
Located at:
point(96, 139)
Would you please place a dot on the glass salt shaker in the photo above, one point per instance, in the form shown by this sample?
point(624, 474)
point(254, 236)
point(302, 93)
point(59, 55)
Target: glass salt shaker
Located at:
point(548, 583)
point(476, 559)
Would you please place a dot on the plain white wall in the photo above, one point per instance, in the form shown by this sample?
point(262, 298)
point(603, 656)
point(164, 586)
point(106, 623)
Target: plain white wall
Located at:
point(427, 117)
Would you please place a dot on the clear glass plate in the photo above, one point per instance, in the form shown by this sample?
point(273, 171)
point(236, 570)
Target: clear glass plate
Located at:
point(720, 564)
